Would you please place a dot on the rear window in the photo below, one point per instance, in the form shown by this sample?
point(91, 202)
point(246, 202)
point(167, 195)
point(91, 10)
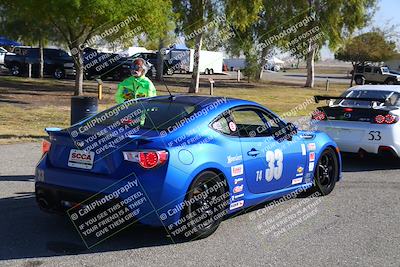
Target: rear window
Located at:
point(151, 115)
point(393, 98)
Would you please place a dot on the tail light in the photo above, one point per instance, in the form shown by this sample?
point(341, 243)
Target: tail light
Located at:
point(45, 146)
point(318, 115)
point(386, 119)
point(148, 159)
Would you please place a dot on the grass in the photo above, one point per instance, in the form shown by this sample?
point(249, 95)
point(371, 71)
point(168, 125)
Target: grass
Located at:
point(26, 123)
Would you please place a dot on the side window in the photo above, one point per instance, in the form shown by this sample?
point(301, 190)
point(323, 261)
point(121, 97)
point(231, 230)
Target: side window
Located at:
point(249, 123)
point(367, 69)
point(221, 125)
point(274, 124)
point(359, 69)
point(377, 70)
point(152, 56)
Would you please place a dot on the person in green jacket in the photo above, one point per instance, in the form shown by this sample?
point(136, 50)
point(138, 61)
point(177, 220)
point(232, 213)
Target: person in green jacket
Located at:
point(136, 86)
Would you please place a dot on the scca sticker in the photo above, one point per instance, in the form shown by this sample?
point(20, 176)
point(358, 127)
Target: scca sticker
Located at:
point(237, 170)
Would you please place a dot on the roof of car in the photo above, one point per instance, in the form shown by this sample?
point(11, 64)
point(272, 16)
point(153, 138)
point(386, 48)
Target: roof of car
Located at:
point(204, 100)
point(371, 87)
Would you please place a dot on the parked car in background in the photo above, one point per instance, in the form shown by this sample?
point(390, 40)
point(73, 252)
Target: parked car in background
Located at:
point(57, 62)
point(151, 57)
point(3, 53)
point(105, 65)
point(364, 119)
point(378, 75)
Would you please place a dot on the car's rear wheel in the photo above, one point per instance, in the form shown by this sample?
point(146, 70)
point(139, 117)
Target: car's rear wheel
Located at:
point(326, 172)
point(390, 81)
point(208, 200)
point(359, 80)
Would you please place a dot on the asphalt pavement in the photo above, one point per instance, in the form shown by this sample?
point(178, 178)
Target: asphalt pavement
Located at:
point(357, 225)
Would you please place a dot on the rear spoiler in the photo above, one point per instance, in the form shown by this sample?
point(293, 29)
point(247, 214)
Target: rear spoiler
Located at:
point(318, 98)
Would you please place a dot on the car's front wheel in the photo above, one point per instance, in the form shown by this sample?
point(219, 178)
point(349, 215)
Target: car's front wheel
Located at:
point(58, 73)
point(326, 172)
point(207, 200)
point(15, 70)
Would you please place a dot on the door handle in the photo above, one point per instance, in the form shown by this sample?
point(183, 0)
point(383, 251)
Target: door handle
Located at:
point(253, 152)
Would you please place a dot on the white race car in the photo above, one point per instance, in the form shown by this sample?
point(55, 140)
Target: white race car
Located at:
point(364, 119)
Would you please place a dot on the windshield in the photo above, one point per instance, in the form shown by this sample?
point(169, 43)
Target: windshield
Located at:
point(385, 70)
point(393, 98)
point(149, 115)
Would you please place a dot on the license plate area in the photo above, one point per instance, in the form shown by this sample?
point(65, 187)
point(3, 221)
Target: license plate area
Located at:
point(81, 159)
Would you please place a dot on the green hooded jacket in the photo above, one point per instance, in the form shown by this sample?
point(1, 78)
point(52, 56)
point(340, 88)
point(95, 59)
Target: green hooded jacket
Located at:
point(134, 87)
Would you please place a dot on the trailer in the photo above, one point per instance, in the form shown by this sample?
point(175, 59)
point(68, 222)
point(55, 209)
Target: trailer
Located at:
point(182, 60)
point(234, 64)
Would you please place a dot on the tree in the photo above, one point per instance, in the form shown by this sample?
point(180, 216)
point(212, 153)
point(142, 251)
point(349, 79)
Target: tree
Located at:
point(258, 25)
point(366, 47)
point(81, 23)
point(192, 17)
point(336, 19)
point(23, 22)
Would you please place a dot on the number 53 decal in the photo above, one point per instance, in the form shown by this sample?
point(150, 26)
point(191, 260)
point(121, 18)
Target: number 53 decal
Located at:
point(275, 166)
point(374, 136)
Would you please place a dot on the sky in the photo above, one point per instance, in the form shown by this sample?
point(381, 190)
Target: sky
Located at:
point(387, 13)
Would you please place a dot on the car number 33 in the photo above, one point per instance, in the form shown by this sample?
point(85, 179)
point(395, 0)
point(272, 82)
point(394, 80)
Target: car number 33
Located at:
point(275, 166)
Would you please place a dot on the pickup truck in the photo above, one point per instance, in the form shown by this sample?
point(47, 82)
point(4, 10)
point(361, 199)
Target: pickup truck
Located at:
point(57, 62)
point(111, 65)
point(377, 75)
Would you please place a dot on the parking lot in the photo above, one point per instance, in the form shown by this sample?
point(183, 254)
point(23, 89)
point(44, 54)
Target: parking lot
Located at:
point(358, 224)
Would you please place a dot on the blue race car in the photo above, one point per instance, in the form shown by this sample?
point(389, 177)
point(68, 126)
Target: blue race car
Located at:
point(181, 162)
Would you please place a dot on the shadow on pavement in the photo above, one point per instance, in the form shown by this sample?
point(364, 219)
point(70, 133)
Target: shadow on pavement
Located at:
point(27, 232)
point(353, 163)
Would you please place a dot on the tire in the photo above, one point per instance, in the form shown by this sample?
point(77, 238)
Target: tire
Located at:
point(206, 71)
point(359, 80)
point(326, 172)
point(211, 71)
point(15, 70)
point(170, 71)
point(207, 206)
point(390, 81)
point(59, 73)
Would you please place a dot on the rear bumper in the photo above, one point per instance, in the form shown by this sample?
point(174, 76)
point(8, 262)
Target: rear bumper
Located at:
point(355, 136)
point(58, 190)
